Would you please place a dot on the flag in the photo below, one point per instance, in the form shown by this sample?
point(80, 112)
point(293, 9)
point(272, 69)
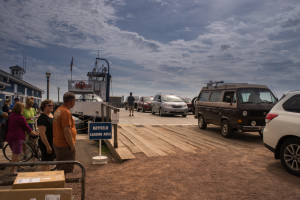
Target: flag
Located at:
point(71, 63)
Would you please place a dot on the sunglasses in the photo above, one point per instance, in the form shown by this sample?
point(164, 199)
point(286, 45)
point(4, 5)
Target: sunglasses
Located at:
point(50, 105)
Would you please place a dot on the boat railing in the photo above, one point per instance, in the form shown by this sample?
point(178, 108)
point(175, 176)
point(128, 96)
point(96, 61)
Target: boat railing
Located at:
point(106, 117)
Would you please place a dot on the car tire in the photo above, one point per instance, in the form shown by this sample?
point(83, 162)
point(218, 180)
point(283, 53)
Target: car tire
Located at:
point(260, 133)
point(183, 115)
point(289, 155)
point(160, 113)
point(152, 111)
point(201, 123)
point(226, 129)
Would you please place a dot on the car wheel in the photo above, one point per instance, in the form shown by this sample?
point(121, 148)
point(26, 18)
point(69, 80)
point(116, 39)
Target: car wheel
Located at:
point(261, 133)
point(152, 111)
point(160, 113)
point(290, 155)
point(201, 122)
point(226, 129)
point(183, 115)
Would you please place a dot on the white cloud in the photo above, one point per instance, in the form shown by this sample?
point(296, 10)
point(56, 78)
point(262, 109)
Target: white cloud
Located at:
point(235, 39)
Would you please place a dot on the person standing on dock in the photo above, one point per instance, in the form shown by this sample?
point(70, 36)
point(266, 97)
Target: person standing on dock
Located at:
point(64, 133)
point(45, 127)
point(6, 107)
point(131, 104)
point(16, 100)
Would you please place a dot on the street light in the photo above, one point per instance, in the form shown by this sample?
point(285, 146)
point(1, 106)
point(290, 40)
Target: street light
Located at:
point(58, 94)
point(48, 74)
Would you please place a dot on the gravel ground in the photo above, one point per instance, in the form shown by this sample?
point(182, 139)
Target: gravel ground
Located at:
point(237, 168)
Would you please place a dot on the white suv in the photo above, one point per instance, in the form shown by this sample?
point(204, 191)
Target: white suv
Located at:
point(282, 132)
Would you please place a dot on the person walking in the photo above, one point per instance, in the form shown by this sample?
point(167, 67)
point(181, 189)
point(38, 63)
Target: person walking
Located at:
point(5, 107)
point(29, 113)
point(15, 136)
point(16, 100)
point(35, 105)
point(45, 123)
point(3, 115)
point(64, 133)
point(131, 104)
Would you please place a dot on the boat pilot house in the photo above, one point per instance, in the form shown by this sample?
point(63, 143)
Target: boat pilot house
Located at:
point(12, 86)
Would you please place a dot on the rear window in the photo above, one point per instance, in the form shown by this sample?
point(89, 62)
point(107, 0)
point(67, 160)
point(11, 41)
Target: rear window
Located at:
point(203, 96)
point(293, 104)
point(215, 96)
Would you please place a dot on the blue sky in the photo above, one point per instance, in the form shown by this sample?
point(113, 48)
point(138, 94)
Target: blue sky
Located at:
point(169, 46)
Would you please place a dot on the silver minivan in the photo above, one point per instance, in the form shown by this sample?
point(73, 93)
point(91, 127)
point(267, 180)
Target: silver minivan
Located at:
point(169, 104)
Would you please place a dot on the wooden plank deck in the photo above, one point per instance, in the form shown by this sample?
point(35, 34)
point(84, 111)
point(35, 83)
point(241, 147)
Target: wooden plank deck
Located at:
point(154, 140)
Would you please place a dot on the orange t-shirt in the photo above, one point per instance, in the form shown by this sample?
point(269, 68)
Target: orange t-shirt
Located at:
point(62, 118)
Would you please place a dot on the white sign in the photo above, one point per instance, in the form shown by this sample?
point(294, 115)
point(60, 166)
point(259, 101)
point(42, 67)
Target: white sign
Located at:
point(80, 86)
point(114, 118)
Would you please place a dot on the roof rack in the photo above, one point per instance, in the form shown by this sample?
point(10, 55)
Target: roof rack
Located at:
point(212, 83)
point(216, 83)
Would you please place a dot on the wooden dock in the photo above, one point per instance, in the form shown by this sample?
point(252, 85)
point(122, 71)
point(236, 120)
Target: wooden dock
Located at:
point(158, 140)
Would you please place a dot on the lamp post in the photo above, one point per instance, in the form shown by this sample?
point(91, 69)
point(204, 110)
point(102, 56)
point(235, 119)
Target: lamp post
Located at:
point(48, 74)
point(58, 94)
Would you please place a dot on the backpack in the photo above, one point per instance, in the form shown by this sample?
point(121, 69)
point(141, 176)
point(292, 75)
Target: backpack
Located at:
point(3, 130)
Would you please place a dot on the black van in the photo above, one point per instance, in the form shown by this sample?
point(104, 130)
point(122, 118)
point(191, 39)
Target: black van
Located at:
point(234, 107)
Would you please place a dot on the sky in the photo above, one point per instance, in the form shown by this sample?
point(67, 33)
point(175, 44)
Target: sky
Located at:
point(153, 46)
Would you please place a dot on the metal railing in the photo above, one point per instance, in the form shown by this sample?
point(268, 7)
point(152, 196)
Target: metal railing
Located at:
point(31, 164)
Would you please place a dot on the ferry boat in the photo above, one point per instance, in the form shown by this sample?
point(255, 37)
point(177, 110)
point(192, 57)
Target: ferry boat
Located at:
point(91, 93)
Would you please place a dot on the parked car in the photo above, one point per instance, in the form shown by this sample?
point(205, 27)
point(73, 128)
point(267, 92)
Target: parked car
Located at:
point(188, 102)
point(169, 104)
point(282, 132)
point(144, 104)
point(136, 98)
point(234, 107)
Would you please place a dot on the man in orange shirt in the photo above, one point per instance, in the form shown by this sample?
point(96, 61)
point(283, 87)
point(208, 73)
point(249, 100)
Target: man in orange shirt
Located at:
point(64, 133)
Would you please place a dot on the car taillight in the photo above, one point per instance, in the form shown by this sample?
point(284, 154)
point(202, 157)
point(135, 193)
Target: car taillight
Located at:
point(270, 116)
